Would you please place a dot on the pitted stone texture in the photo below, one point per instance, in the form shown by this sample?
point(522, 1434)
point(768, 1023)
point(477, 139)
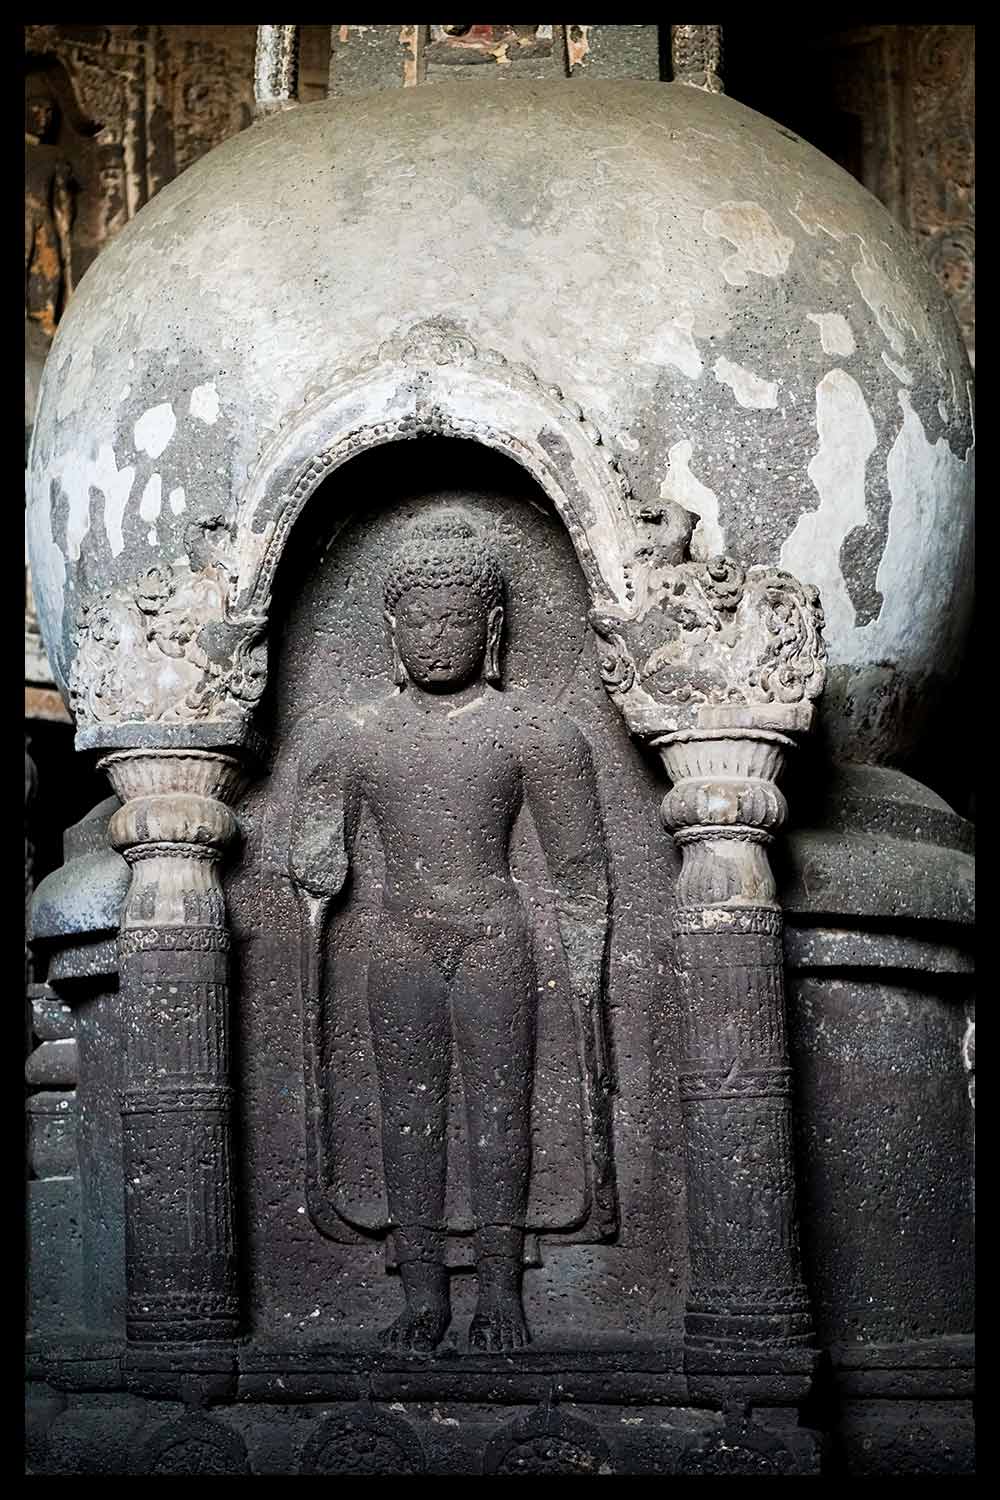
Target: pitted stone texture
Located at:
point(451, 1436)
point(878, 887)
point(85, 896)
point(335, 669)
point(672, 230)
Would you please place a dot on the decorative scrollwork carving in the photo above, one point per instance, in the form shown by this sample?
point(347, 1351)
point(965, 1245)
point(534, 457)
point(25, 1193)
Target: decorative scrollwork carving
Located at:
point(162, 650)
point(363, 1440)
point(192, 1445)
point(614, 663)
point(708, 633)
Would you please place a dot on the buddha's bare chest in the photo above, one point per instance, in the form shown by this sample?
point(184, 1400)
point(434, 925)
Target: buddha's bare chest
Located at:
point(451, 765)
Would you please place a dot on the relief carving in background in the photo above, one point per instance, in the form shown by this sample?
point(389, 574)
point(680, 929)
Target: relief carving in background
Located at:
point(906, 129)
point(50, 188)
point(443, 765)
point(942, 161)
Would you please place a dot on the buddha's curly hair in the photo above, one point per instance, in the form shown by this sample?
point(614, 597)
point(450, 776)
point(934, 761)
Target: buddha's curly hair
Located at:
point(442, 554)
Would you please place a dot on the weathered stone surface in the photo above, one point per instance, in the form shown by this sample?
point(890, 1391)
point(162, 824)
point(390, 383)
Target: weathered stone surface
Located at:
point(444, 1437)
point(878, 887)
point(890, 1439)
point(55, 1272)
point(84, 897)
point(672, 382)
point(400, 995)
point(550, 691)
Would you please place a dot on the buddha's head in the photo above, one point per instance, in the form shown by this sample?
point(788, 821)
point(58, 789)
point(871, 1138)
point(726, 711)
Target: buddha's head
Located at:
point(40, 112)
point(444, 607)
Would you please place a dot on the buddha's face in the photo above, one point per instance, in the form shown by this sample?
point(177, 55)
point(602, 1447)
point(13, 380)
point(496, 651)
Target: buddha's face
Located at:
point(442, 635)
point(39, 116)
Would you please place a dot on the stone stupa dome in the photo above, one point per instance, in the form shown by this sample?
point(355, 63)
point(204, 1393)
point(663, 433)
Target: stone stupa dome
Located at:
point(731, 319)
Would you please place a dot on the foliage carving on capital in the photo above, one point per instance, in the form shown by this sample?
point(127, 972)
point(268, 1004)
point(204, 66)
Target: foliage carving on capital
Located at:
point(162, 648)
point(707, 633)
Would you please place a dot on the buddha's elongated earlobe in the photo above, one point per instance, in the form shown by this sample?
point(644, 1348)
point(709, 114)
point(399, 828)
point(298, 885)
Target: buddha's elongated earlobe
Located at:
point(494, 633)
point(399, 673)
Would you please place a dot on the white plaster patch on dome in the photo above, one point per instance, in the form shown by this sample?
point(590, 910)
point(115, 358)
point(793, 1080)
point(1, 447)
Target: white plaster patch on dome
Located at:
point(152, 537)
point(116, 486)
point(151, 502)
point(835, 334)
point(758, 242)
point(942, 411)
point(680, 485)
point(749, 389)
point(901, 372)
point(155, 428)
point(899, 307)
point(75, 480)
point(847, 439)
point(176, 500)
point(807, 216)
point(928, 553)
point(205, 403)
point(126, 391)
point(673, 344)
point(78, 479)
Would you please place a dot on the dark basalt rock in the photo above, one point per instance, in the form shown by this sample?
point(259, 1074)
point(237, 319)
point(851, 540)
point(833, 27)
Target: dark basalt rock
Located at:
point(422, 1084)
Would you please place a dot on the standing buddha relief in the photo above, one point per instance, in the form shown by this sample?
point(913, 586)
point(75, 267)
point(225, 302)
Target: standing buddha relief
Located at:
point(444, 765)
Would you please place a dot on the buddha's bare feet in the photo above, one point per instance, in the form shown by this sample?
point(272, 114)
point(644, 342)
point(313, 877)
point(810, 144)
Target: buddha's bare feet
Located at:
point(418, 1329)
point(421, 1325)
point(498, 1325)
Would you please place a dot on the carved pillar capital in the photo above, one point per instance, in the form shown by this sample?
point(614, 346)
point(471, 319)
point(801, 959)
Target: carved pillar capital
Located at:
point(173, 829)
point(723, 811)
point(179, 798)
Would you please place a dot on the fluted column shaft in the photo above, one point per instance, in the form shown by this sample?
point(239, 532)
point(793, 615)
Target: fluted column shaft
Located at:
point(746, 1288)
point(181, 1268)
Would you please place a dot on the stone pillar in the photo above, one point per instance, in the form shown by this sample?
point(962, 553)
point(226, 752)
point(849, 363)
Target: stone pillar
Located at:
point(739, 665)
point(696, 56)
point(276, 68)
point(746, 1289)
point(180, 1250)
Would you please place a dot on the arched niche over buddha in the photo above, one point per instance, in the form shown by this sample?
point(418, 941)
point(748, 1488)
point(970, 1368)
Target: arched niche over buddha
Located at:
point(459, 1007)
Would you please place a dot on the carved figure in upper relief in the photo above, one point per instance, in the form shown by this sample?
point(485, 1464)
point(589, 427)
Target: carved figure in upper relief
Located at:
point(49, 208)
point(444, 765)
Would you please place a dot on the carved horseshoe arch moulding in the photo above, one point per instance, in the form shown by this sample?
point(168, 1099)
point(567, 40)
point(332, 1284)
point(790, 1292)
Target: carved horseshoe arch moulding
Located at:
point(428, 383)
point(441, 385)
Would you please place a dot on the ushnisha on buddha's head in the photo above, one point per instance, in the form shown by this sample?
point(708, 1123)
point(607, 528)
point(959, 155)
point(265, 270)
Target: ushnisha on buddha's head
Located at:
point(444, 607)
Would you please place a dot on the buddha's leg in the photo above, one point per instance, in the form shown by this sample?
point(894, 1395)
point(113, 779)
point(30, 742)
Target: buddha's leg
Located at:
point(408, 1007)
point(494, 1014)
